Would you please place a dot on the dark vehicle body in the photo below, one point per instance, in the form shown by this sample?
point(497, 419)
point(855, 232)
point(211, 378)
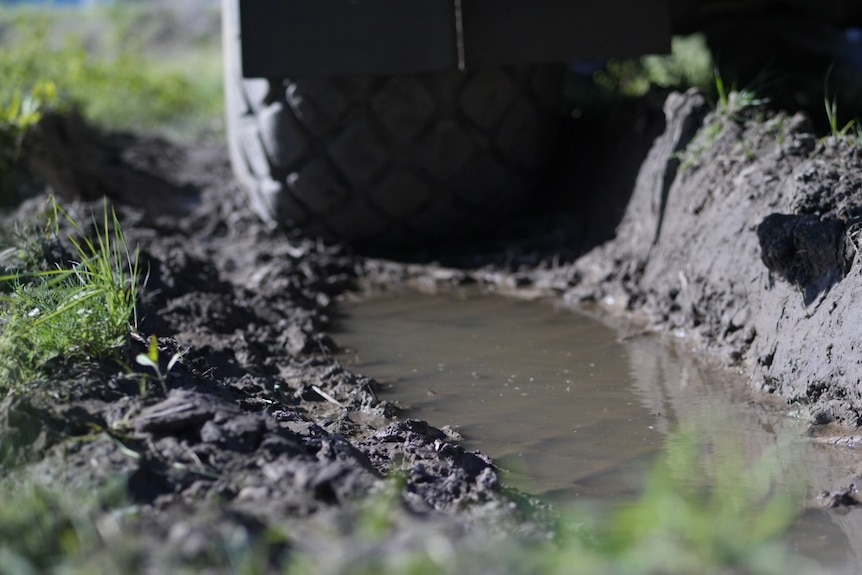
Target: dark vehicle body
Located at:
point(290, 37)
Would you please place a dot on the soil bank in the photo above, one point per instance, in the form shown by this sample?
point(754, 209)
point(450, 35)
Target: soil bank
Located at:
point(741, 235)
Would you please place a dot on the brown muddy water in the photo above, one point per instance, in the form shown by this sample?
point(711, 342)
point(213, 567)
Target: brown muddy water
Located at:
point(573, 410)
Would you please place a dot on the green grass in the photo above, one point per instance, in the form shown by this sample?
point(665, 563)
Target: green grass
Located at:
point(20, 110)
point(76, 531)
point(688, 65)
point(116, 79)
point(46, 530)
point(731, 105)
point(81, 308)
point(851, 131)
point(734, 103)
point(111, 63)
point(694, 517)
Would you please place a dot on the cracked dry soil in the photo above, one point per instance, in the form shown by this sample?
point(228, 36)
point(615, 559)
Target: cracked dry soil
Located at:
point(744, 242)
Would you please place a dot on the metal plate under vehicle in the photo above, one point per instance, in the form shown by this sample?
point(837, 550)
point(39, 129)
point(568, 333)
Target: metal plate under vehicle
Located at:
point(301, 37)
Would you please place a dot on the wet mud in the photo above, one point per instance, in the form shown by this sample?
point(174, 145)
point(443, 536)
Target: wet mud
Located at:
point(256, 426)
point(741, 241)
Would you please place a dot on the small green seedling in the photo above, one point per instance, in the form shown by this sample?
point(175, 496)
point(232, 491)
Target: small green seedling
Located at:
point(151, 360)
point(733, 102)
point(831, 105)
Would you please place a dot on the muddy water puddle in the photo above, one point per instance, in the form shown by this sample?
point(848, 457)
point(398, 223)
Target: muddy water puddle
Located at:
point(568, 409)
point(546, 396)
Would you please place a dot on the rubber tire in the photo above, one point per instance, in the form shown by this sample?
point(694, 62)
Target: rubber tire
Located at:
point(390, 160)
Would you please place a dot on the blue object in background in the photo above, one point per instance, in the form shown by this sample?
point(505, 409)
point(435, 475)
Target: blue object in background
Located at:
point(849, 51)
point(587, 68)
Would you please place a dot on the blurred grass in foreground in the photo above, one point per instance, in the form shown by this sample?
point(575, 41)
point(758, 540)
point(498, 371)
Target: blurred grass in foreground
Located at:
point(706, 509)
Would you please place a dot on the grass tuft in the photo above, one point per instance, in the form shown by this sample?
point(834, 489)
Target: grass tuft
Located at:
point(734, 103)
point(846, 132)
point(851, 131)
point(79, 309)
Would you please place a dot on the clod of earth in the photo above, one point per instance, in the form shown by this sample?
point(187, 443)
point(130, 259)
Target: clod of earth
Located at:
point(805, 250)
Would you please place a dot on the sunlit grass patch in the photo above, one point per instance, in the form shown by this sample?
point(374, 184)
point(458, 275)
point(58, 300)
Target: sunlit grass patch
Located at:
point(104, 62)
point(20, 110)
point(115, 79)
point(81, 308)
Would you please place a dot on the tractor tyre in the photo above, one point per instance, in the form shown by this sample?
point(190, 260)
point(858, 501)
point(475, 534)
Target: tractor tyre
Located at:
point(391, 161)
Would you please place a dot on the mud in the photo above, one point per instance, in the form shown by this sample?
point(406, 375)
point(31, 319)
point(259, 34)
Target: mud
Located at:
point(256, 426)
point(741, 244)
